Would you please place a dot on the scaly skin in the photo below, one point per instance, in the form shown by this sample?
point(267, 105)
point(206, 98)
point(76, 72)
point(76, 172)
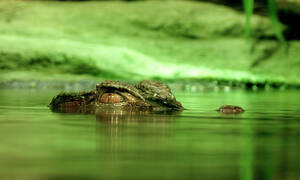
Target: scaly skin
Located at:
point(146, 95)
point(230, 109)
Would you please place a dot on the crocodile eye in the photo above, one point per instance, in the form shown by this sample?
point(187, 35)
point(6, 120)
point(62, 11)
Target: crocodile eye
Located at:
point(111, 98)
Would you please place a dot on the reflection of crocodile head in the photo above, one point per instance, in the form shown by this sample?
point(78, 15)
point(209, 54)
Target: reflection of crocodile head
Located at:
point(146, 95)
point(115, 116)
point(118, 130)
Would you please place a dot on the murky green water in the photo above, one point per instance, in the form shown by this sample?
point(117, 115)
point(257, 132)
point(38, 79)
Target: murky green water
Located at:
point(199, 143)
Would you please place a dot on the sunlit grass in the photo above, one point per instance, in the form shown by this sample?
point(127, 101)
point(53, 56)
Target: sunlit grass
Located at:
point(124, 63)
point(138, 40)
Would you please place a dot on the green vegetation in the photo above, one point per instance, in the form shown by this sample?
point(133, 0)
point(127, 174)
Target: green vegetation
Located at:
point(138, 40)
point(248, 6)
point(272, 10)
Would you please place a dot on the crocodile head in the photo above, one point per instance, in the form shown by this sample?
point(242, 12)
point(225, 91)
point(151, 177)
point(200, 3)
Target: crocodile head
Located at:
point(146, 95)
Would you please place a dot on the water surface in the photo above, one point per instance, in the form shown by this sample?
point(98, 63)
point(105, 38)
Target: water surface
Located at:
point(199, 143)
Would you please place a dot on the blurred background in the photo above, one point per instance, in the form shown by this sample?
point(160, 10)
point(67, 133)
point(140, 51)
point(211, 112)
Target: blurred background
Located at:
point(201, 49)
point(253, 44)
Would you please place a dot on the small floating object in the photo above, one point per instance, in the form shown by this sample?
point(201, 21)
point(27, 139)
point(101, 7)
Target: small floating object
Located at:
point(230, 109)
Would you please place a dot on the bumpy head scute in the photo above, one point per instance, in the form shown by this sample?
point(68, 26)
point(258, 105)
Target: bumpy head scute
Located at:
point(117, 85)
point(156, 91)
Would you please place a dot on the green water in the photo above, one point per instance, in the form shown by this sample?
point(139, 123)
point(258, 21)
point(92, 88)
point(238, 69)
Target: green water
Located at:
point(199, 143)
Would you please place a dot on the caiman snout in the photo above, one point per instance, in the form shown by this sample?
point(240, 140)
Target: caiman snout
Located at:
point(147, 94)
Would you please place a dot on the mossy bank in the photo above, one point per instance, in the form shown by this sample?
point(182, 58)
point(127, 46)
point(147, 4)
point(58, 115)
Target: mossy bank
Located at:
point(140, 40)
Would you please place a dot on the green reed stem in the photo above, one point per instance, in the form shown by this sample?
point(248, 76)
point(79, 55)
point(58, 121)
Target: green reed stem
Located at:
point(272, 9)
point(248, 7)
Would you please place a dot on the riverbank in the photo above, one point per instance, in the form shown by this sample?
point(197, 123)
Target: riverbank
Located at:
point(71, 82)
point(141, 40)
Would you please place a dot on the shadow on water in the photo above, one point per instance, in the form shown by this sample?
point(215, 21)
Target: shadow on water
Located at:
point(268, 153)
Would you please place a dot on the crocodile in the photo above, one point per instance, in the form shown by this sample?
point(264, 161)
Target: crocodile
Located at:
point(145, 95)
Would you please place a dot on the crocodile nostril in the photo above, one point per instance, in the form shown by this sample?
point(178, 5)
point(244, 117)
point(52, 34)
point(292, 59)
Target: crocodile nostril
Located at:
point(110, 98)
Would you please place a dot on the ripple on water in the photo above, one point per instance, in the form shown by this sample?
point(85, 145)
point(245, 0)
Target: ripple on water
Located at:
point(39, 144)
